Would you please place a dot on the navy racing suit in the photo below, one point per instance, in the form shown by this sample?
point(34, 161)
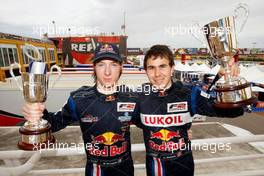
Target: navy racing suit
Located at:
point(165, 118)
point(105, 125)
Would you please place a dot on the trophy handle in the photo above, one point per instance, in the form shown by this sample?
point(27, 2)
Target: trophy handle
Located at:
point(35, 49)
point(244, 7)
point(11, 67)
point(193, 26)
point(59, 75)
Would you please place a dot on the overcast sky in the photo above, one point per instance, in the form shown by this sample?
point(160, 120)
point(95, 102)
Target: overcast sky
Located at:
point(148, 22)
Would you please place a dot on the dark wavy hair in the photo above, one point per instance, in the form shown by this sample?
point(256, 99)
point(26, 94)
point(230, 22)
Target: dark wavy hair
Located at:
point(156, 51)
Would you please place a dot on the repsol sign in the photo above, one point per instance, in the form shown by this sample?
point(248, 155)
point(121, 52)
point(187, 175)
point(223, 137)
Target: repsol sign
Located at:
point(82, 47)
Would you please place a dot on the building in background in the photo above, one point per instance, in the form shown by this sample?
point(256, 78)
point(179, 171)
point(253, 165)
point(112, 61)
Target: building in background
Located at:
point(79, 50)
point(133, 56)
point(11, 51)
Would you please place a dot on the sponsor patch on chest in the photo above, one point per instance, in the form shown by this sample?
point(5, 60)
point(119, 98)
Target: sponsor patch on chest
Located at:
point(166, 120)
point(125, 118)
point(177, 107)
point(89, 119)
point(125, 106)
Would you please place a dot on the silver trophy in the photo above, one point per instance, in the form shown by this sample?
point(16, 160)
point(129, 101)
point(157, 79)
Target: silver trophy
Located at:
point(35, 135)
point(222, 42)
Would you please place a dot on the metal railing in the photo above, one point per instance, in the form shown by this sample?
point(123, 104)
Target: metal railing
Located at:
point(35, 156)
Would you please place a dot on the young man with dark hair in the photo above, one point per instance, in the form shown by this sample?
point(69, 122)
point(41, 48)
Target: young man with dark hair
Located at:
point(104, 115)
point(166, 116)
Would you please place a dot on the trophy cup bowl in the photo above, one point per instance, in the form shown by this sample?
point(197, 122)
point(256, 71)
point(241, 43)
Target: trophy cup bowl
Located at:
point(35, 135)
point(222, 43)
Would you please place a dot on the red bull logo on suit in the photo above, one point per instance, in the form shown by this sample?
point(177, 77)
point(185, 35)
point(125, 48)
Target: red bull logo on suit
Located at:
point(108, 139)
point(166, 136)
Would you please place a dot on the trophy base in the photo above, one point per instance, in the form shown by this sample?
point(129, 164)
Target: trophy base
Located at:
point(236, 104)
point(35, 139)
point(233, 94)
